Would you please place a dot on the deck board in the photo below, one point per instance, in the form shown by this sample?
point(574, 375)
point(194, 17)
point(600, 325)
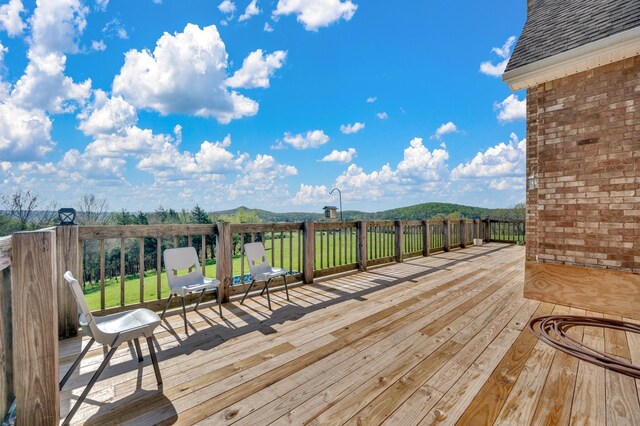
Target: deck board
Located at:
point(434, 340)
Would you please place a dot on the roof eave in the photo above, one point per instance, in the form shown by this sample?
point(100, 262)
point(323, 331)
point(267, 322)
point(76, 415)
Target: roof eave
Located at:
point(617, 47)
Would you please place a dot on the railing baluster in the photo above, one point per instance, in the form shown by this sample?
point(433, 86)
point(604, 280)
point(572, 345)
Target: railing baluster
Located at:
point(300, 251)
point(290, 250)
point(333, 231)
point(321, 250)
point(242, 257)
point(159, 268)
point(281, 251)
point(122, 270)
point(273, 248)
point(102, 301)
point(203, 253)
point(141, 270)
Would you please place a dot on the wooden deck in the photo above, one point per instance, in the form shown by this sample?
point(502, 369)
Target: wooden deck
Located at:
point(431, 340)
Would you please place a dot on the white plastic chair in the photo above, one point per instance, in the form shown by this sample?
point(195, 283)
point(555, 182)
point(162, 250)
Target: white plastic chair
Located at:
point(180, 285)
point(110, 330)
point(261, 270)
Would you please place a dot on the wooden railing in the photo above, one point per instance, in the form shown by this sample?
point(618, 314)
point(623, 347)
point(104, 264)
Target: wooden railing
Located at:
point(127, 260)
point(507, 231)
point(36, 304)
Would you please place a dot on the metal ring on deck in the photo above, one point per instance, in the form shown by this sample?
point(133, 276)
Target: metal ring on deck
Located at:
point(552, 330)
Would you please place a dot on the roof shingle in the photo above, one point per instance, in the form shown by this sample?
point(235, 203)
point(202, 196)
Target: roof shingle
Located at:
point(557, 26)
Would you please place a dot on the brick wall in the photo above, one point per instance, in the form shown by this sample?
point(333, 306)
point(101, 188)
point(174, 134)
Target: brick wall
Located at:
point(583, 141)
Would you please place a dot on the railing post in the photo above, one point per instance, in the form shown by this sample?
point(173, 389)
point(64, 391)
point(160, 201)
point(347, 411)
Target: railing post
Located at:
point(399, 240)
point(35, 327)
point(309, 251)
point(447, 235)
point(67, 260)
point(487, 232)
point(476, 234)
point(361, 247)
point(425, 238)
point(463, 233)
point(223, 259)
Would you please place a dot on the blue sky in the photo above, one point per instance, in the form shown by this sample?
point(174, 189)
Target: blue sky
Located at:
point(263, 103)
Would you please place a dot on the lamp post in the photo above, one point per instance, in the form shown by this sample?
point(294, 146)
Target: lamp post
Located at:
point(340, 194)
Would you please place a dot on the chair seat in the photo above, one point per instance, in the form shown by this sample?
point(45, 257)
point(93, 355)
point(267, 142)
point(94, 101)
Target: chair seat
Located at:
point(273, 273)
point(124, 326)
point(207, 284)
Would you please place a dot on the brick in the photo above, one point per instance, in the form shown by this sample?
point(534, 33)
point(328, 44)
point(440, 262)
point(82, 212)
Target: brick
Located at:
point(586, 210)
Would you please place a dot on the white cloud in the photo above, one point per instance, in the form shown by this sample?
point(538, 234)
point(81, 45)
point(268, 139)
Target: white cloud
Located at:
point(44, 85)
point(101, 5)
point(371, 99)
point(503, 52)
point(268, 28)
point(56, 26)
point(227, 6)
point(511, 109)
point(348, 129)
point(419, 171)
point(312, 139)
point(10, 19)
point(314, 14)
point(508, 184)
point(498, 161)
point(107, 115)
point(98, 45)
point(382, 115)
point(115, 29)
point(340, 156)
point(185, 73)
point(130, 141)
point(309, 194)
point(24, 134)
point(251, 10)
point(256, 69)
point(444, 129)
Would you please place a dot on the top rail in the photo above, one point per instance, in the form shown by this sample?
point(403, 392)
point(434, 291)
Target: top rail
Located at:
point(143, 231)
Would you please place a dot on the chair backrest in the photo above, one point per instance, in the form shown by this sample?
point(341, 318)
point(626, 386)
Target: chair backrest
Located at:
point(86, 318)
point(179, 259)
point(257, 258)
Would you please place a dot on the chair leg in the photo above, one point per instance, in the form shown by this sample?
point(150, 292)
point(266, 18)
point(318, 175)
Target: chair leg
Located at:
point(286, 289)
point(154, 360)
point(138, 350)
point(263, 289)
point(219, 301)
point(76, 362)
point(266, 286)
point(184, 314)
point(165, 308)
point(247, 292)
point(92, 382)
point(199, 300)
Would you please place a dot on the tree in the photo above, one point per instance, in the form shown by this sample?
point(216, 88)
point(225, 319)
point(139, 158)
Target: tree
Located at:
point(23, 206)
point(91, 210)
point(198, 215)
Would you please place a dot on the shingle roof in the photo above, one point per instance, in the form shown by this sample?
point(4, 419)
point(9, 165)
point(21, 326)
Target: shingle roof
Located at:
point(556, 26)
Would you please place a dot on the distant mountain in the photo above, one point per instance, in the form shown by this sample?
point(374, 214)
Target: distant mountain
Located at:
point(416, 212)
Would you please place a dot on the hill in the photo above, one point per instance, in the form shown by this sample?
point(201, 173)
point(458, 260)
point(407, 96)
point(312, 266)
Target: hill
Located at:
point(415, 212)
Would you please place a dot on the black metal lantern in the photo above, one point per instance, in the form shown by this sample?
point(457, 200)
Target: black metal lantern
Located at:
point(67, 216)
